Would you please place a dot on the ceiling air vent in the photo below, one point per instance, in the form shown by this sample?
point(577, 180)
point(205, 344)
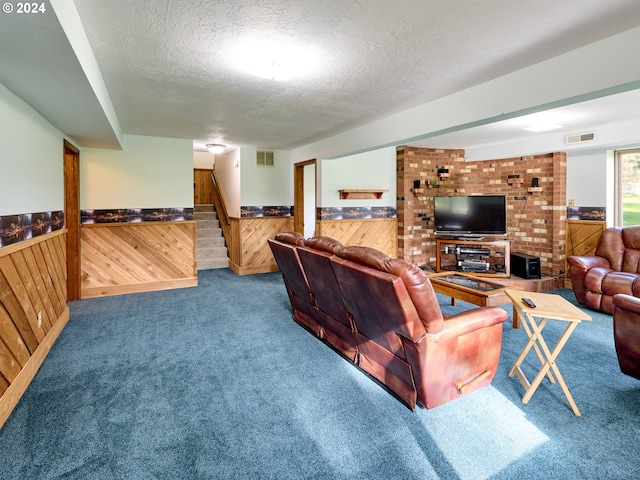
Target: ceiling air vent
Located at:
point(264, 159)
point(579, 138)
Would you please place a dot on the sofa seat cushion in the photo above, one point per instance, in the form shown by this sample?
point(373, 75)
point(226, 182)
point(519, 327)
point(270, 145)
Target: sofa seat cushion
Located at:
point(618, 282)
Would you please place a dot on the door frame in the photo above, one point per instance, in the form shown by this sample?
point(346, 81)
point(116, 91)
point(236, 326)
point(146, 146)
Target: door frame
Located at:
point(298, 194)
point(71, 157)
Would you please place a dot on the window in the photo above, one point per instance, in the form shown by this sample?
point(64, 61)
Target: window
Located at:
point(627, 187)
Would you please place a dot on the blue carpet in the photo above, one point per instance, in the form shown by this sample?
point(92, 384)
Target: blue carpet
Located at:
point(217, 381)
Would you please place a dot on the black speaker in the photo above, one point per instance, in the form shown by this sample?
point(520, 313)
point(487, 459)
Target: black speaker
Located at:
point(525, 266)
point(534, 182)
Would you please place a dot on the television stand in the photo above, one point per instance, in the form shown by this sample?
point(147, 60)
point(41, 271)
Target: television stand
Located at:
point(477, 257)
point(475, 238)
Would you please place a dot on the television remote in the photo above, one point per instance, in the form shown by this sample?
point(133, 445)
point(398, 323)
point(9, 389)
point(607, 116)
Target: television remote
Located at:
point(529, 303)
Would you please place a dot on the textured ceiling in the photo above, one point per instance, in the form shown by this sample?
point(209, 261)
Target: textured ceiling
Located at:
point(170, 65)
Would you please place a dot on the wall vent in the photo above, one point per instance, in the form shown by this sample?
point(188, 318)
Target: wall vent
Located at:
point(579, 138)
point(264, 159)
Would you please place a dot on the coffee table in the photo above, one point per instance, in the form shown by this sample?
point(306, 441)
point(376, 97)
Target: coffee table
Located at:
point(548, 307)
point(469, 289)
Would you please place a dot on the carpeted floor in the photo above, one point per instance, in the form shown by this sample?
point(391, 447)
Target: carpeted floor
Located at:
point(217, 381)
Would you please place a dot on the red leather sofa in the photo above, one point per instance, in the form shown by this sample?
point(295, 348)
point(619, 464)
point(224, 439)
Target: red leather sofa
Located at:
point(315, 298)
point(626, 333)
point(615, 268)
point(401, 337)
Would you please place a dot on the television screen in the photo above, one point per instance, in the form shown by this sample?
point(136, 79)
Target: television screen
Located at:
point(470, 215)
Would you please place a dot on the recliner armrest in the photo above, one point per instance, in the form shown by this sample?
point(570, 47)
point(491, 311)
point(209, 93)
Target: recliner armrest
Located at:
point(627, 302)
point(588, 262)
point(469, 321)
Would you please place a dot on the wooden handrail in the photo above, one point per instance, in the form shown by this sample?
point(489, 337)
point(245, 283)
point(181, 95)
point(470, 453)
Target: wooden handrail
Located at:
point(218, 200)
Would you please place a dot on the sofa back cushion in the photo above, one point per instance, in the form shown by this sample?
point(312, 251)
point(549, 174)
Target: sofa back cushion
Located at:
point(621, 247)
point(415, 281)
point(631, 240)
point(315, 258)
point(283, 247)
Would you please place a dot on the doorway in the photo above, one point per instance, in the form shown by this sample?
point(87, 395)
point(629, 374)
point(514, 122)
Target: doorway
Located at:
point(72, 218)
point(304, 198)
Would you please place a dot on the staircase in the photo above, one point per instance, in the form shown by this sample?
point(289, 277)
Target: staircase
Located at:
point(212, 252)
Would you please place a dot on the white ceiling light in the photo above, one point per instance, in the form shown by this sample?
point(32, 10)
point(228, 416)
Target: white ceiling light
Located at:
point(215, 147)
point(274, 60)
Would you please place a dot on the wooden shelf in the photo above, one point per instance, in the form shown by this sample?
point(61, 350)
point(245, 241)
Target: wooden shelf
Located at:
point(451, 255)
point(354, 194)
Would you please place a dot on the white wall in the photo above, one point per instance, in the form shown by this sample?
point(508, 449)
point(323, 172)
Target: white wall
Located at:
point(266, 186)
point(586, 178)
point(309, 200)
point(150, 172)
point(228, 175)
point(371, 170)
point(31, 162)
point(204, 160)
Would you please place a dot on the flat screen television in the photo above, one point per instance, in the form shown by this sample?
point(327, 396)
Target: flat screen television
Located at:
point(473, 216)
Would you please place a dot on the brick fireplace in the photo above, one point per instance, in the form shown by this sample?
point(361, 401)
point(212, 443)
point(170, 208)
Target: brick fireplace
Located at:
point(536, 215)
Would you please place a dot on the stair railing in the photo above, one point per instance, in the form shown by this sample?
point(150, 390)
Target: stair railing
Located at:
point(221, 207)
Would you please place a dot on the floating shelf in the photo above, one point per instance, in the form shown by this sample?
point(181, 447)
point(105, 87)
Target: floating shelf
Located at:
point(353, 194)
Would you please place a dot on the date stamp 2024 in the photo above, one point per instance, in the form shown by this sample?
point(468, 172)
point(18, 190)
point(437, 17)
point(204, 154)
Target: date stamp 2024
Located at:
point(24, 8)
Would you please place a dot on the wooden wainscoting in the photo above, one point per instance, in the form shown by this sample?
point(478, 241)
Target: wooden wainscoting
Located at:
point(33, 311)
point(249, 252)
point(137, 257)
point(381, 234)
point(582, 239)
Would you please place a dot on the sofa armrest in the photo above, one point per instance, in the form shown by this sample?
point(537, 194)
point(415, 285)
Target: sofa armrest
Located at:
point(469, 321)
point(627, 302)
point(588, 262)
point(578, 268)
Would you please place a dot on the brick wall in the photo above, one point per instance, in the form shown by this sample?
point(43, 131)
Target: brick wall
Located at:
point(536, 218)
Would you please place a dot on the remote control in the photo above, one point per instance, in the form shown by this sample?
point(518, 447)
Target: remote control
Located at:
point(529, 303)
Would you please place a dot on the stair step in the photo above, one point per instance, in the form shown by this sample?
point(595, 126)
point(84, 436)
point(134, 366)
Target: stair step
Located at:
point(214, 245)
point(214, 263)
point(208, 224)
point(203, 208)
point(200, 216)
point(209, 232)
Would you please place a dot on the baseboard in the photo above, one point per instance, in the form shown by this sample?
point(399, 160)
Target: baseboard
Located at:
point(14, 393)
point(110, 290)
point(252, 270)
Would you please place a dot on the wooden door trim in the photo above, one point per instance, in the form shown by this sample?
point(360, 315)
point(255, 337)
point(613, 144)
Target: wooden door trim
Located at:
point(298, 194)
point(71, 156)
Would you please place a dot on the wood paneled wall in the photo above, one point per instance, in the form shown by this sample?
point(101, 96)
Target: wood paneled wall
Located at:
point(582, 239)
point(380, 234)
point(248, 249)
point(33, 311)
point(137, 257)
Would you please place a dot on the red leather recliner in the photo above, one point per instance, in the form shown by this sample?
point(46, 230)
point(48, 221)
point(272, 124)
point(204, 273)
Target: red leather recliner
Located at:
point(403, 339)
point(626, 333)
point(615, 268)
